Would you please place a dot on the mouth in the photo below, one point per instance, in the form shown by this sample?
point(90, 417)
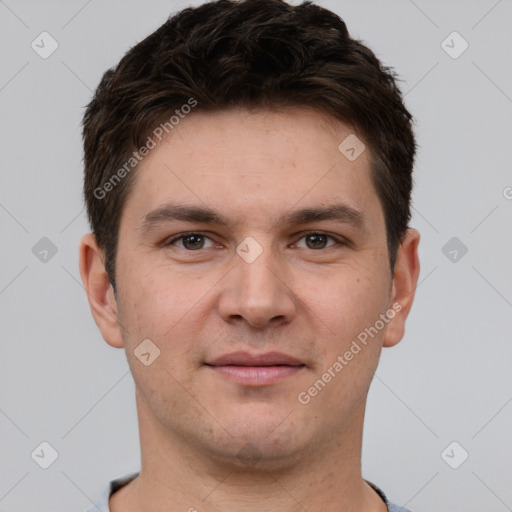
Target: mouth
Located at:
point(256, 370)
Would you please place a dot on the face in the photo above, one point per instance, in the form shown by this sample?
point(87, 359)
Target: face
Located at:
point(252, 253)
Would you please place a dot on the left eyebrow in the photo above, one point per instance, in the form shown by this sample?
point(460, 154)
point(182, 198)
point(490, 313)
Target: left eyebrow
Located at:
point(337, 212)
point(172, 212)
point(204, 215)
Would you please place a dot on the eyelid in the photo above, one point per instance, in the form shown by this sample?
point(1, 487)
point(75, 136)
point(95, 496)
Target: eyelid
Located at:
point(173, 239)
point(338, 239)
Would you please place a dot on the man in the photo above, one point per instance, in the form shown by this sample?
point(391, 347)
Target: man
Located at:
point(248, 178)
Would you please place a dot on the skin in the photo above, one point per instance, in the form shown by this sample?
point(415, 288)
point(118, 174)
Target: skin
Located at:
point(305, 300)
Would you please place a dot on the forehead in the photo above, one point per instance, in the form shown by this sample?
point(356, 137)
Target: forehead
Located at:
point(241, 163)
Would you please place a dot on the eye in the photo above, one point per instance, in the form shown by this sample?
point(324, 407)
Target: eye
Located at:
point(317, 241)
point(192, 241)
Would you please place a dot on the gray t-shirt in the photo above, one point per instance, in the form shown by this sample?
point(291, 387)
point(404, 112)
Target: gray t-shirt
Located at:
point(114, 485)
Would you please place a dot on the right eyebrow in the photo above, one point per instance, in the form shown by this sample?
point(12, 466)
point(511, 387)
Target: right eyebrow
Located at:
point(341, 213)
point(172, 212)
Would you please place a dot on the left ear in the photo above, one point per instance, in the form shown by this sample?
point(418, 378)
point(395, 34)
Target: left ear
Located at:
point(405, 280)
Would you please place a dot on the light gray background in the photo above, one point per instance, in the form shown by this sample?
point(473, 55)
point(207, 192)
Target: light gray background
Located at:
point(449, 380)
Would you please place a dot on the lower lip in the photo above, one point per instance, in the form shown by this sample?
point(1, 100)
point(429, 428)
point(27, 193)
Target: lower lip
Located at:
point(257, 375)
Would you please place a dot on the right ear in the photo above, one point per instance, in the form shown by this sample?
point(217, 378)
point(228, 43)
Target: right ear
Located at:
point(100, 293)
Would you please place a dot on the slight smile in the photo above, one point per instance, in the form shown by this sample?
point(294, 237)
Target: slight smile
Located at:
point(256, 370)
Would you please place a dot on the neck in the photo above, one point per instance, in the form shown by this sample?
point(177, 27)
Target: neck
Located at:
point(177, 477)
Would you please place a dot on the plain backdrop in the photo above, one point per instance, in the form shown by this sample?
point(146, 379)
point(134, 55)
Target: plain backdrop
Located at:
point(450, 379)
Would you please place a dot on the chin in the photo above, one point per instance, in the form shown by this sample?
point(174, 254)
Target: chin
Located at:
point(260, 442)
point(257, 455)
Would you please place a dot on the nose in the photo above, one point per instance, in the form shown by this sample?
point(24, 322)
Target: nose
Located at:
point(257, 293)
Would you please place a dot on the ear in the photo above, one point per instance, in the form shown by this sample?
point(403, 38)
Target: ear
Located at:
point(100, 293)
point(405, 280)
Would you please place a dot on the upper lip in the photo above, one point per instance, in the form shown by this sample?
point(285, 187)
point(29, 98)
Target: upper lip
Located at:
point(247, 359)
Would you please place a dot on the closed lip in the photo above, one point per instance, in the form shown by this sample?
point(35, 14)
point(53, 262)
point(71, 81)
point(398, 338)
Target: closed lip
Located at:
point(253, 360)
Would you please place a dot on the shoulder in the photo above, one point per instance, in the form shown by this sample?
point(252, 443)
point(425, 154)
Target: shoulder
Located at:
point(101, 505)
point(391, 506)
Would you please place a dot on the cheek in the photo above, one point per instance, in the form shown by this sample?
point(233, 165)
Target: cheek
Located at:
point(347, 301)
point(171, 310)
point(351, 348)
point(353, 312)
point(155, 301)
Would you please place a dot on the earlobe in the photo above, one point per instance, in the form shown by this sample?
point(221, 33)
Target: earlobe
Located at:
point(99, 290)
point(405, 280)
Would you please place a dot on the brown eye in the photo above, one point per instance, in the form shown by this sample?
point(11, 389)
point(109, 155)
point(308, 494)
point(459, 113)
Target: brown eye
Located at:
point(317, 241)
point(192, 241)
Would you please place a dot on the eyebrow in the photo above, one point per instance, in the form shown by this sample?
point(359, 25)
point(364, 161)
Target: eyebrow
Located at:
point(202, 214)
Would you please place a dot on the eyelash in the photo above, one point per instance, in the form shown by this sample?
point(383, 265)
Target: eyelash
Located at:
point(339, 242)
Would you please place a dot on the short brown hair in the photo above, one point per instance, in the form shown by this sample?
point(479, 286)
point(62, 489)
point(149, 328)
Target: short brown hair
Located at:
point(251, 54)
